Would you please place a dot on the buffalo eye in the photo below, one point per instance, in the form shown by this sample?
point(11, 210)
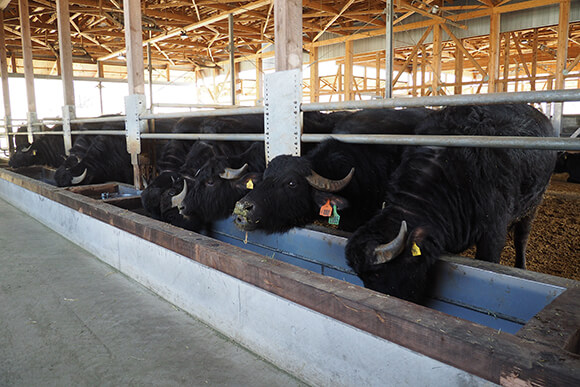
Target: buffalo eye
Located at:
point(292, 184)
point(209, 182)
point(172, 192)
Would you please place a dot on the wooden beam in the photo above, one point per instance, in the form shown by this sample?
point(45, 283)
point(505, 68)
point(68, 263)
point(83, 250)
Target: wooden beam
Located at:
point(412, 54)
point(329, 23)
point(134, 43)
point(506, 63)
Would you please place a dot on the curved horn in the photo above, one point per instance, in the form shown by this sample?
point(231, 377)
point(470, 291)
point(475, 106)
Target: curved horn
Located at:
point(177, 200)
point(384, 253)
point(27, 149)
point(328, 185)
point(232, 174)
point(80, 178)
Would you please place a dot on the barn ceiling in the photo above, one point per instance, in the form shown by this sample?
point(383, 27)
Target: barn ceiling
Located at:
point(194, 34)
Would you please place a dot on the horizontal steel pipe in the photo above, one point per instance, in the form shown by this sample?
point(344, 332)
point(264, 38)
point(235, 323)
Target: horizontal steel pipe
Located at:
point(451, 100)
point(455, 141)
point(205, 136)
point(206, 113)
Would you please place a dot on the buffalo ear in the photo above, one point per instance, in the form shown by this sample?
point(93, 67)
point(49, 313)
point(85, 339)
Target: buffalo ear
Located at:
point(320, 198)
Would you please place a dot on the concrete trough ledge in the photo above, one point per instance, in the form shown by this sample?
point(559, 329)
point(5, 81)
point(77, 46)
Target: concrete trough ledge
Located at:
point(322, 330)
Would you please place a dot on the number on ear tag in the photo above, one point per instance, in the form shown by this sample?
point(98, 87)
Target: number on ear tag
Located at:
point(326, 209)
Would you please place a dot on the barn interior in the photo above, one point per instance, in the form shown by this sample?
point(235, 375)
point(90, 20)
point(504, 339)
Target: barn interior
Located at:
point(233, 56)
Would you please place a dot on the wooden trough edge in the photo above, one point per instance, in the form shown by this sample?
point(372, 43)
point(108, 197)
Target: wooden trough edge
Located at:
point(544, 352)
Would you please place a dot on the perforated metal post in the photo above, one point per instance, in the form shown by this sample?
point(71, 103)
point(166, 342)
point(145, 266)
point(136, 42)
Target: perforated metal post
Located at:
point(282, 116)
point(68, 113)
point(134, 107)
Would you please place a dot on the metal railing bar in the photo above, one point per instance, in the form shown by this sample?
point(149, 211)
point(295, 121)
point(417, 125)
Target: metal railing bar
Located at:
point(520, 142)
point(450, 100)
point(205, 113)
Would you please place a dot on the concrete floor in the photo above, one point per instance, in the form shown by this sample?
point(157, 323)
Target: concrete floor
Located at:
point(67, 319)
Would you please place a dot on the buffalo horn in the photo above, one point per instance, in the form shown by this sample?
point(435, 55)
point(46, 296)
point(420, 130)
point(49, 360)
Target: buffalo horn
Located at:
point(78, 179)
point(232, 174)
point(27, 149)
point(328, 185)
point(177, 200)
point(384, 253)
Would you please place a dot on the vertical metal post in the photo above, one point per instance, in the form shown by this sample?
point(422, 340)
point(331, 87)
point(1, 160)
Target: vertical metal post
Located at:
point(232, 58)
point(283, 88)
point(389, 49)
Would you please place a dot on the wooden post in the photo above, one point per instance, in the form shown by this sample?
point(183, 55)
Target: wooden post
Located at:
point(494, 42)
point(561, 57)
point(378, 74)
point(28, 66)
point(5, 87)
point(232, 57)
point(259, 80)
point(414, 76)
point(423, 68)
point(534, 59)
point(66, 66)
point(348, 70)
point(288, 34)
point(458, 70)
point(100, 74)
point(314, 75)
point(135, 102)
point(506, 62)
point(436, 58)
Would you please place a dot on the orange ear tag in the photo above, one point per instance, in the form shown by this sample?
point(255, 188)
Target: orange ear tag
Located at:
point(326, 209)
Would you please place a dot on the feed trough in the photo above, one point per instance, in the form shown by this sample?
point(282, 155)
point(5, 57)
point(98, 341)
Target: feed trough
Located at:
point(485, 323)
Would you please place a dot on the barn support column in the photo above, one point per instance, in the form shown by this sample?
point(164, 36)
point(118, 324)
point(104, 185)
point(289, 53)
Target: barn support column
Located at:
point(436, 65)
point(389, 49)
point(348, 71)
point(283, 88)
point(28, 67)
point(314, 75)
point(378, 75)
point(506, 63)
point(259, 80)
point(458, 69)
point(232, 59)
point(66, 66)
point(494, 43)
point(562, 56)
point(135, 103)
point(5, 88)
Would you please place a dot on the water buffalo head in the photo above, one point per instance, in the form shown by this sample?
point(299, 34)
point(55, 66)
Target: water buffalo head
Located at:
point(290, 194)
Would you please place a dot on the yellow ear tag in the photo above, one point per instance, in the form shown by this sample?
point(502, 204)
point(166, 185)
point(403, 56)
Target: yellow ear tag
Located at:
point(250, 184)
point(34, 152)
point(326, 209)
point(415, 250)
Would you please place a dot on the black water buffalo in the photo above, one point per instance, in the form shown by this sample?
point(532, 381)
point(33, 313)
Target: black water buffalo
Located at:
point(448, 199)
point(97, 159)
point(172, 165)
point(225, 178)
point(569, 162)
point(45, 150)
point(222, 180)
point(294, 193)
